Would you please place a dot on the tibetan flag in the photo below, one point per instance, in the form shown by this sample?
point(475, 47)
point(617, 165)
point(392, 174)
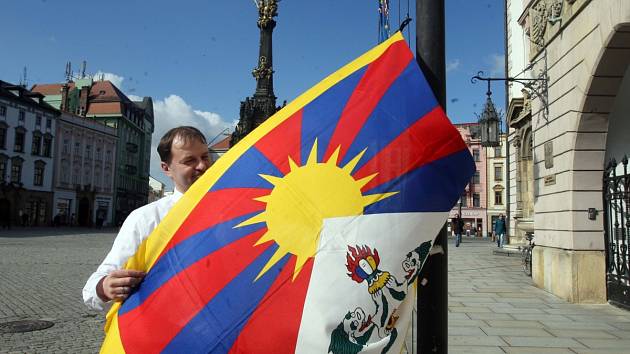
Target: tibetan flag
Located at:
point(308, 235)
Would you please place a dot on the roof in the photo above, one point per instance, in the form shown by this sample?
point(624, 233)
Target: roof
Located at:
point(223, 144)
point(104, 97)
point(25, 96)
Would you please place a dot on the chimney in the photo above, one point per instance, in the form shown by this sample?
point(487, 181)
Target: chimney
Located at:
point(83, 100)
point(64, 98)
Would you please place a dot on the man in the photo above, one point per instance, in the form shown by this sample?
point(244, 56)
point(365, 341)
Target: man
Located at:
point(499, 230)
point(184, 155)
point(457, 225)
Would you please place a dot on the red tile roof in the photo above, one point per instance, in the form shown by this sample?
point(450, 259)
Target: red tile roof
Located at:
point(104, 108)
point(222, 145)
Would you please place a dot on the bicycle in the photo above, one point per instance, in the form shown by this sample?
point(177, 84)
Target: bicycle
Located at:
point(526, 254)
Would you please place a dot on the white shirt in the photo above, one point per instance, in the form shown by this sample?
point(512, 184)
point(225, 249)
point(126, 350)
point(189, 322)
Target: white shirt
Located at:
point(137, 227)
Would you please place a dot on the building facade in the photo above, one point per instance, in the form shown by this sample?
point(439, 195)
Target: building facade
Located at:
point(27, 127)
point(564, 130)
point(473, 203)
point(134, 124)
point(496, 177)
point(84, 170)
point(156, 190)
point(218, 149)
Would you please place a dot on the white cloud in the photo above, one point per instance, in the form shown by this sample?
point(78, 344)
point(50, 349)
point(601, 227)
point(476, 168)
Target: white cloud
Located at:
point(172, 112)
point(115, 79)
point(496, 63)
point(452, 65)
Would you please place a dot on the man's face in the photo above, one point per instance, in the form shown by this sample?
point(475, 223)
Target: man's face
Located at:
point(188, 162)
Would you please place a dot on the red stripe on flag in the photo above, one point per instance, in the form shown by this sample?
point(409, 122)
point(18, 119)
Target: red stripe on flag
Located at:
point(216, 207)
point(378, 77)
point(151, 326)
point(428, 139)
point(274, 326)
point(283, 142)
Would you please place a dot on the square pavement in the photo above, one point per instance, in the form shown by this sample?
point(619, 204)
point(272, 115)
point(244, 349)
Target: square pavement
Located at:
point(493, 306)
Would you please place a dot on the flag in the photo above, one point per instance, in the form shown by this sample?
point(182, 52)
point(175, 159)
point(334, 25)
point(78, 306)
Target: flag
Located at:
point(308, 235)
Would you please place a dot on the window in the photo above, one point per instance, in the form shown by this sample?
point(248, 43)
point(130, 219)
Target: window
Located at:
point(476, 154)
point(497, 151)
point(464, 201)
point(498, 172)
point(3, 135)
point(47, 149)
point(88, 151)
point(476, 200)
point(38, 177)
point(77, 149)
point(476, 178)
point(99, 156)
point(66, 146)
point(19, 141)
point(498, 197)
point(97, 178)
point(3, 167)
point(16, 169)
point(108, 156)
point(37, 144)
point(76, 179)
point(38, 121)
point(21, 116)
point(48, 123)
point(3, 111)
point(87, 175)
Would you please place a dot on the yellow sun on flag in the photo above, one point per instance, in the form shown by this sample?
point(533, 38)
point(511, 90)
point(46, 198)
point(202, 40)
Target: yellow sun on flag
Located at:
point(303, 198)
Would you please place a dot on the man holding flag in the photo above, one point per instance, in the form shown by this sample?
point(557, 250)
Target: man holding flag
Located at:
point(184, 155)
point(309, 234)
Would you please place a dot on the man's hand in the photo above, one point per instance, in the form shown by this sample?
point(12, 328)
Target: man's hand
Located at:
point(118, 284)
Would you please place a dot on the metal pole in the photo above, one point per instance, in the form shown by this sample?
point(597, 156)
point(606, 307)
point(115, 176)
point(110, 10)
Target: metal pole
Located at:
point(433, 285)
point(507, 129)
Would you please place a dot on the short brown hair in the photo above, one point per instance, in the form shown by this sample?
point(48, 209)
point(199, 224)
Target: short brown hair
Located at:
point(186, 133)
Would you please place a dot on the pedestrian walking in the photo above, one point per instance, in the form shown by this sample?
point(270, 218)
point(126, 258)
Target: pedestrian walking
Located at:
point(457, 225)
point(499, 230)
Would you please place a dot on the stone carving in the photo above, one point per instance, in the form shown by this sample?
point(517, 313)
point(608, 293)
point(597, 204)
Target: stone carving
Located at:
point(263, 70)
point(555, 11)
point(267, 10)
point(538, 17)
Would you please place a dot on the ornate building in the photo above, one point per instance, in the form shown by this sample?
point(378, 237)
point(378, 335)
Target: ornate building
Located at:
point(473, 203)
point(133, 121)
point(564, 130)
point(256, 109)
point(84, 170)
point(27, 125)
point(496, 177)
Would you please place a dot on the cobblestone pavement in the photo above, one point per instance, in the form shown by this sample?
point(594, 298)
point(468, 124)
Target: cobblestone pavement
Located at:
point(41, 277)
point(493, 306)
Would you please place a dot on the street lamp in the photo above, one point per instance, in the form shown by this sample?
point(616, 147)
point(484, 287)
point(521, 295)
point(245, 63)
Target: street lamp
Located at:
point(490, 123)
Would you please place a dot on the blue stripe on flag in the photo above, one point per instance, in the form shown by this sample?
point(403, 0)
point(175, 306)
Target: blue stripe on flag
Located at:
point(319, 118)
point(242, 173)
point(215, 328)
point(185, 254)
point(433, 187)
point(407, 100)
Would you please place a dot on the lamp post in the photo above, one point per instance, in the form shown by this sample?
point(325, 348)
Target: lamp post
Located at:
point(490, 121)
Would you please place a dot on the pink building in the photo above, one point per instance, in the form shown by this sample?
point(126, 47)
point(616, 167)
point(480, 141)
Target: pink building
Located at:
point(473, 200)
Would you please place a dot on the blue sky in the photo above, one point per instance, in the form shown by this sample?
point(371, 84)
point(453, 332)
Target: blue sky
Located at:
point(194, 57)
